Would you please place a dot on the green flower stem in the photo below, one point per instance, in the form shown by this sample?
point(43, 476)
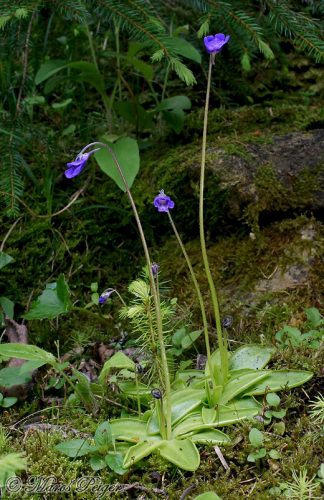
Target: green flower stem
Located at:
point(164, 361)
point(199, 295)
point(221, 344)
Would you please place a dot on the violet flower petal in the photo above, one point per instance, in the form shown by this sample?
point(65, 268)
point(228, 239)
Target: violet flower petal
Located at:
point(163, 202)
point(215, 43)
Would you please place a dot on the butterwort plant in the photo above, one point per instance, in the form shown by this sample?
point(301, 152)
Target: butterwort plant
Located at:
point(163, 203)
point(74, 169)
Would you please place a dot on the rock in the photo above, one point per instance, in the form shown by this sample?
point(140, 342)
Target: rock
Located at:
point(259, 183)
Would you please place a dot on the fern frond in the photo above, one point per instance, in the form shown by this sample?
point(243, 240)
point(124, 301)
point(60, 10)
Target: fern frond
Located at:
point(11, 181)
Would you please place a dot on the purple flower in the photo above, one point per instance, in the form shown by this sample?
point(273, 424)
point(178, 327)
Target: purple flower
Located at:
point(155, 268)
point(76, 166)
point(163, 202)
point(215, 43)
point(105, 295)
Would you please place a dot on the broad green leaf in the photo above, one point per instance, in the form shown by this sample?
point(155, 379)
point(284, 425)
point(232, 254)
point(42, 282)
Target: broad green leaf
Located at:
point(184, 48)
point(175, 118)
point(27, 351)
point(182, 402)
point(5, 259)
point(87, 73)
point(103, 436)
point(208, 415)
point(126, 151)
point(274, 454)
point(75, 448)
point(139, 451)
point(9, 377)
point(289, 335)
point(135, 113)
point(142, 67)
point(175, 102)
point(7, 306)
point(314, 317)
point(181, 452)
point(97, 462)
point(192, 423)
point(118, 360)
point(55, 300)
point(48, 69)
point(278, 380)
point(239, 384)
point(18, 375)
point(190, 338)
point(190, 376)
point(7, 402)
point(129, 429)
point(257, 455)
point(208, 495)
point(178, 336)
point(272, 399)
point(256, 437)
point(133, 390)
point(211, 436)
point(241, 409)
point(115, 462)
point(251, 356)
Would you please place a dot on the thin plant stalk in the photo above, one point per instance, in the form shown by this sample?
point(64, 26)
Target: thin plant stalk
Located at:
point(164, 361)
point(221, 343)
point(199, 296)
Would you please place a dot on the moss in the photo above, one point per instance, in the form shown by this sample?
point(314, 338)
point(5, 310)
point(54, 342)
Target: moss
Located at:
point(272, 195)
point(257, 120)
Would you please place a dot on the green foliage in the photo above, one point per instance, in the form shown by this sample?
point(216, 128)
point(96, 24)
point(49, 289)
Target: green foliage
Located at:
point(291, 336)
point(55, 300)
point(126, 151)
point(103, 453)
point(7, 402)
point(9, 465)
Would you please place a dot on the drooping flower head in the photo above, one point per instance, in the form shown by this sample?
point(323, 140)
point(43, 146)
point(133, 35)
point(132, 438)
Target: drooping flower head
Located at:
point(105, 295)
point(75, 167)
point(156, 393)
point(215, 43)
point(155, 268)
point(163, 202)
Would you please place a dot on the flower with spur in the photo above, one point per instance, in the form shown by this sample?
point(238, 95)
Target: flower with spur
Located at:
point(163, 202)
point(76, 166)
point(105, 295)
point(215, 43)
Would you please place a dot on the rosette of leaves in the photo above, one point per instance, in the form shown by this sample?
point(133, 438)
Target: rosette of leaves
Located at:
point(236, 399)
point(147, 434)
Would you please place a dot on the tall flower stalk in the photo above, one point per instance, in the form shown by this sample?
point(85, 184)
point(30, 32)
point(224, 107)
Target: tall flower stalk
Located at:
point(213, 46)
point(163, 203)
point(75, 168)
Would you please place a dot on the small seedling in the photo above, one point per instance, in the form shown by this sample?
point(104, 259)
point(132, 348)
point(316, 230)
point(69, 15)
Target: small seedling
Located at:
point(103, 453)
point(273, 401)
point(256, 439)
point(290, 336)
